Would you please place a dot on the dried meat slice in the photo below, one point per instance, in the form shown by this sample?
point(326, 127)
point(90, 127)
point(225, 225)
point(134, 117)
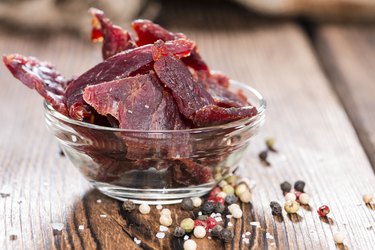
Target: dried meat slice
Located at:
point(40, 76)
point(114, 38)
point(121, 65)
point(211, 115)
point(189, 95)
point(137, 102)
point(149, 32)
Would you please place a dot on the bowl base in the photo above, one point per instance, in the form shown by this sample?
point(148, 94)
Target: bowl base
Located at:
point(153, 196)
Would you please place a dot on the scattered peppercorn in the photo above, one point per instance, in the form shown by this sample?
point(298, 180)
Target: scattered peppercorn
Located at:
point(231, 179)
point(190, 245)
point(199, 232)
point(241, 188)
point(304, 199)
point(291, 207)
point(230, 199)
point(208, 207)
point(286, 187)
point(219, 207)
point(226, 235)
point(128, 205)
point(290, 197)
point(178, 232)
point(199, 223)
point(339, 237)
point(144, 208)
point(276, 208)
point(263, 157)
point(187, 204)
point(236, 213)
point(270, 143)
point(219, 200)
point(367, 198)
point(216, 231)
point(221, 194)
point(228, 189)
point(299, 186)
point(245, 197)
point(165, 220)
point(214, 192)
point(187, 224)
point(197, 202)
point(323, 210)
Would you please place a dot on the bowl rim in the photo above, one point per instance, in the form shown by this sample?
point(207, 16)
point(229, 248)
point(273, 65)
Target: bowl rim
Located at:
point(49, 110)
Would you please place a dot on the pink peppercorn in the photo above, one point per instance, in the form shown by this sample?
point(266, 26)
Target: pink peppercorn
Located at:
point(210, 223)
point(323, 210)
point(199, 223)
point(298, 194)
point(215, 191)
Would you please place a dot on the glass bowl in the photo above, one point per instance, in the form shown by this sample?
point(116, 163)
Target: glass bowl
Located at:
point(157, 167)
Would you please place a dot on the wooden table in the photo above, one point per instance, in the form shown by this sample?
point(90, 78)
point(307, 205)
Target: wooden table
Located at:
point(320, 90)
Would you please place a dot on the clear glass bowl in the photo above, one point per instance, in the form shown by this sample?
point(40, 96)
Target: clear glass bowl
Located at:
point(159, 167)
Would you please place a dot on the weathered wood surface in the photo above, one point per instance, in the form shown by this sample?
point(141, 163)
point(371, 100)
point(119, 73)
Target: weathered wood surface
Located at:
point(348, 53)
point(315, 137)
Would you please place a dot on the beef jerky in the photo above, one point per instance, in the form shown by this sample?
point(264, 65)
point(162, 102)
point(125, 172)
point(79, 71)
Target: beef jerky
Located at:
point(137, 102)
point(189, 95)
point(118, 66)
point(211, 115)
point(40, 76)
point(186, 172)
point(149, 32)
point(114, 38)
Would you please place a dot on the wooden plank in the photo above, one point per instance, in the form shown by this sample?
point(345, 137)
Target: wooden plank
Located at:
point(316, 141)
point(348, 53)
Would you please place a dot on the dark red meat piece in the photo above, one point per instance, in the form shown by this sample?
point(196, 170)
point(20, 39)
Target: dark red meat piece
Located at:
point(211, 115)
point(137, 102)
point(40, 76)
point(190, 96)
point(149, 32)
point(114, 38)
point(187, 172)
point(118, 66)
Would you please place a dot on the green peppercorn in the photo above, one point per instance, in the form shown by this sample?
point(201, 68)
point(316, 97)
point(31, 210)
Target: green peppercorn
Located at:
point(216, 231)
point(219, 207)
point(208, 207)
point(286, 187)
point(231, 179)
point(226, 235)
point(179, 232)
point(270, 143)
point(128, 205)
point(299, 186)
point(187, 224)
point(187, 204)
point(228, 189)
point(231, 199)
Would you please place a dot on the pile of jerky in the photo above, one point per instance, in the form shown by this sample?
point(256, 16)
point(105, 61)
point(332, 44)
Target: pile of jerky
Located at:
point(156, 81)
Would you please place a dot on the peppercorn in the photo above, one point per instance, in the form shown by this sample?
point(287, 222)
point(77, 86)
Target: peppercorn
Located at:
point(236, 213)
point(187, 204)
point(367, 198)
point(323, 210)
point(128, 205)
point(199, 223)
point(219, 200)
point(276, 208)
point(219, 207)
point(245, 197)
point(233, 207)
point(286, 187)
point(226, 235)
point(270, 143)
point(230, 199)
point(216, 231)
point(208, 207)
point(144, 208)
point(290, 197)
point(291, 207)
point(190, 245)
point(197, 202)
point(228, 189)
point(304, 199)
point(199, 232)
point(178, 232)
point(214, 192)
point(210, 223)
point(165, 220)
point(231, 179)
point(338, 237)
point(263, 157)
point(187, 224)
point(221, 194)
point(223, 183)
point(299, 186)
point(202, 217)
point(241, 188)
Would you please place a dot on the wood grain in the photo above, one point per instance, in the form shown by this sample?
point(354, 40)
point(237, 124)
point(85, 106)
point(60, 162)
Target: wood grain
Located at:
point(316, 140)
point(348, 53)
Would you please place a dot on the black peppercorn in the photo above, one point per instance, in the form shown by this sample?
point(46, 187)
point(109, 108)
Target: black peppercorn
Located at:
point(276, 208)
point(128, 205)
point(216, 231)
point(187, 204)
point(299, 186)
point(226, 235)
point(208, 207)
point(202, 217)
point(178, 232)
point(263, 157)
point(219, 207)
point(286, 187)
point(230, 199)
